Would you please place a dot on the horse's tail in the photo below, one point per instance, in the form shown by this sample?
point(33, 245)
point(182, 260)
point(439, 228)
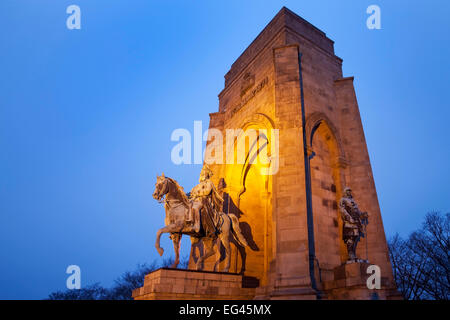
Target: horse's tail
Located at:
point(236, 230)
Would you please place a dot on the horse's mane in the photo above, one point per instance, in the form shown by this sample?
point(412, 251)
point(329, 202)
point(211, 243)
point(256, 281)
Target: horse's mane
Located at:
point(180, 190)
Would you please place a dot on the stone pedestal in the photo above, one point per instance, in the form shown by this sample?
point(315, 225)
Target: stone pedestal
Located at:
point(350, 283)
point(295, 293)
point(179, 284)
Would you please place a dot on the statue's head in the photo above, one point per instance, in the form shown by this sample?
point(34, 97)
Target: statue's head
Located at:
point(206, 173)
point(348, 192)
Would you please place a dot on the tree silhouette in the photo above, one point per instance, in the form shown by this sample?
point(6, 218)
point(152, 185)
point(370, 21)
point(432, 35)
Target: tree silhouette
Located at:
point(122, 288)
point(421, 264)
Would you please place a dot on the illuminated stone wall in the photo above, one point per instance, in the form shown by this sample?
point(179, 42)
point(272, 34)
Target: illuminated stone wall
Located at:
point(262, 91)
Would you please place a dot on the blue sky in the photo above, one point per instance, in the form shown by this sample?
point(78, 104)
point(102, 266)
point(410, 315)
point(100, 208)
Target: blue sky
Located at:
point(86, 117)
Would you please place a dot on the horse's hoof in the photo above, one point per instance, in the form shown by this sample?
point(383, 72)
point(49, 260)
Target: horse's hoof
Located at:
point(160, 251)
point(174, 266)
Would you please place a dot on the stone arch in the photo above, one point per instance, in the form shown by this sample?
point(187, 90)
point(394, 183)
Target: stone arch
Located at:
point(250, 194)
point(327, 163)
point(259, 121)
point(312, 124)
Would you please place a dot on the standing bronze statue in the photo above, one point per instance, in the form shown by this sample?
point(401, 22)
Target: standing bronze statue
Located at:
point(354, 222)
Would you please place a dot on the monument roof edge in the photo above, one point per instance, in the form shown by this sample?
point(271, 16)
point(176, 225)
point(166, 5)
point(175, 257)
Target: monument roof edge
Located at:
point(279, 20)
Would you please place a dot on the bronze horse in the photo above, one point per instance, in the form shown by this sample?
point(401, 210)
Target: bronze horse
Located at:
point(176, 204)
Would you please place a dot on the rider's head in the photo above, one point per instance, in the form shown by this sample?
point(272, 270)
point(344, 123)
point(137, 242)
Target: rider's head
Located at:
point(206, 173)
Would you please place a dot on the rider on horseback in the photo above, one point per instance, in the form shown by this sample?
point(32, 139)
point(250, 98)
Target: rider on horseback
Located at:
point(206, 204)
point(204, 209)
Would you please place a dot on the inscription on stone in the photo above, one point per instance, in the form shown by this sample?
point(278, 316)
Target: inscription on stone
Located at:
point(250, 95)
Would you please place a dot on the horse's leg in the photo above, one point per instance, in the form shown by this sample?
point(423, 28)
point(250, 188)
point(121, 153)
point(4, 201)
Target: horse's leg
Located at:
point(218, 251)
point(236, 230)
point(194, 242)
point(176, 239)
point(193, 256)
point(225, 239)
point(167, 229)
point(226, 243)
point(209, 251)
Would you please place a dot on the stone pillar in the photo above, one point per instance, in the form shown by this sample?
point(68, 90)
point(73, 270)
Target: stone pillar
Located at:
point(292, 278)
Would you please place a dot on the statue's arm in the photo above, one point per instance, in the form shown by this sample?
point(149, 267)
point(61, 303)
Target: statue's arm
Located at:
point(201, 190)
point(207, 188)
point(345, 215)
point(363, 215)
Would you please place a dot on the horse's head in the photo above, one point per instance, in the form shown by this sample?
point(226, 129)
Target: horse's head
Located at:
point(161, 187)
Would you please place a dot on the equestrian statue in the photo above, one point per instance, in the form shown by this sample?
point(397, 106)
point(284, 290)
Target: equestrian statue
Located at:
point(199, 216)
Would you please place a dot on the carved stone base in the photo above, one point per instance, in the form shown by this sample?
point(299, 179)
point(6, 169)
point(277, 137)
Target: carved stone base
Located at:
point(179, 284)
point(350, 283)
point(294, 288)
point(297, 293)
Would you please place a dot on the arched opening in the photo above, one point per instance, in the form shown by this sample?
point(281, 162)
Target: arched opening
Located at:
point(249, 190)
point(326, 185)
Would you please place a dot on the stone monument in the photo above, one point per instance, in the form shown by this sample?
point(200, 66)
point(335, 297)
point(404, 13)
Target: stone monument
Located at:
point(302, 241)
